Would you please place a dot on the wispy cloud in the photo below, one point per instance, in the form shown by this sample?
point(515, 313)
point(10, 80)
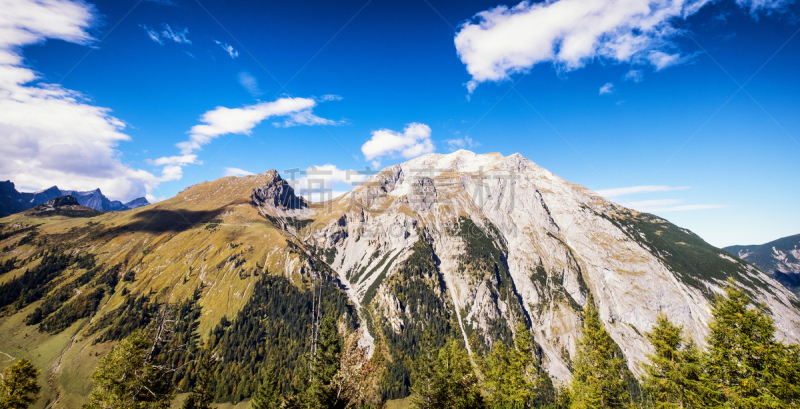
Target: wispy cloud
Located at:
point(250, 83)
point(305, 117)
point(329, 97)
point(461, 143)
point(237, 172)
point(152, 34)
point(178, 36)
point(607, 88)
point(622, 191)
point(634, 75)
point(228, 49)
point(415, 140)
point(655, 205)
point(668, 205)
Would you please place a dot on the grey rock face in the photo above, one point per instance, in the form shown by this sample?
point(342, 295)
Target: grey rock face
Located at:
point(539, 246)
point(279, 194)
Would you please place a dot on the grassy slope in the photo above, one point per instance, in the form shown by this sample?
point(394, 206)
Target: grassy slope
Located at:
point(167, 245)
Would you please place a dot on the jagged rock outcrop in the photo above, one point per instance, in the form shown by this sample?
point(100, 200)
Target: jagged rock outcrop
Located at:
point(278, 193)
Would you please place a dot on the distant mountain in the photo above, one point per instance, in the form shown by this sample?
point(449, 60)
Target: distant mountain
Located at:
point(138, 202)
point(779, 258)
point(13, 201)
point(95, 200)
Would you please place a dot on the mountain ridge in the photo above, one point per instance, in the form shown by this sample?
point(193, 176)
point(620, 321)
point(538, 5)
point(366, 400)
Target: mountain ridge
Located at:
point(466, 244)
point(780, 258)
point(13, 201)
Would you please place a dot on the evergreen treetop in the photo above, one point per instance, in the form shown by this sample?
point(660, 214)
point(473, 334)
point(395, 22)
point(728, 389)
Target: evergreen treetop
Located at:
point(600, 376)
point(744, 361)
point(674, 377)
point(20, 388)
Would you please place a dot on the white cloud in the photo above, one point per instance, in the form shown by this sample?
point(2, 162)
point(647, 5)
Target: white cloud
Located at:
point(461, 143)
point(414, 141)
point(180, 37)
point(250, 83)
point(52, 135)
point(237, 172)
point(622, 191)
point(634, 75)
point(222, 120)
point(320, 183)
point(571, 33)
point(608, 88)
point(175, 160)
point(228, 49)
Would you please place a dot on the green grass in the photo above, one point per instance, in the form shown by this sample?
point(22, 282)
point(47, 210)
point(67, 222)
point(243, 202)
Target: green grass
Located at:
point(399, 404)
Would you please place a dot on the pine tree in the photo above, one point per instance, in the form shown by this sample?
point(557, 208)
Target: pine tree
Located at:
point(426, 388)
point(317, 368)
point(512, 376)
point(203, 393)
point(674, 377)
point(20, 387)
point(600, 376)
point(744, 361)
point(457, 386)
point(269, 394)
point(126, 377)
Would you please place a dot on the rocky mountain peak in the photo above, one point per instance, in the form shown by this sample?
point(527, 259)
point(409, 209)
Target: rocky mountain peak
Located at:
point(514, 241)
point(277, 193)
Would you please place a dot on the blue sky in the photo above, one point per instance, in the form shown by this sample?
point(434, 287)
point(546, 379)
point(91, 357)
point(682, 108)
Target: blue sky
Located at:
point(635, 94)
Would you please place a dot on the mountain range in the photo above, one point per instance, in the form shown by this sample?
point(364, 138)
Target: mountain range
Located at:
point(779, 258)
point(465, 244)
point(13, 201)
